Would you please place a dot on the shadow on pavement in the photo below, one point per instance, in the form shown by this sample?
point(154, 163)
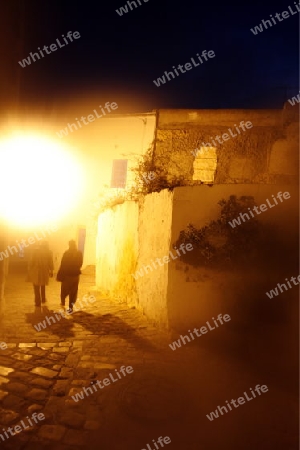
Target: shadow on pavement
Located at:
point(107, 324)
point(62, 328)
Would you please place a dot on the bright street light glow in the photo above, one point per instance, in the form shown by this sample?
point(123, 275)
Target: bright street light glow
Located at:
point(40, 181)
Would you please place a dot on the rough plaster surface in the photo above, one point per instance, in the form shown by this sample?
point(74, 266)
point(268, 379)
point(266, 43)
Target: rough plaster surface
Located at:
point(155, 224)
point(283, 158)
point(131, 236)
point(3, 265)
point(103, 141)
point(178, 295)
point(255, 155)
point(181, 118)
point(117, 250)
point(260, 162)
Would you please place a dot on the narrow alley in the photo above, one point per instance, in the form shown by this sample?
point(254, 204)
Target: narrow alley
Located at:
point(166, 393)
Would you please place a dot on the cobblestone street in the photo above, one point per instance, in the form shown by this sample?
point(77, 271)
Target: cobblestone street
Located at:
point(168, 393)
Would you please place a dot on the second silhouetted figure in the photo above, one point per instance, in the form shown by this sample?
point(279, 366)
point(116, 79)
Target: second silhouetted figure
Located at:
point(68, 274)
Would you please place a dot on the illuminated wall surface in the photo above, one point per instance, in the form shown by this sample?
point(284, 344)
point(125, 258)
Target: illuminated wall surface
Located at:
point(131, 238)
point(265, 153)
point(49, 179)
point(259, 164)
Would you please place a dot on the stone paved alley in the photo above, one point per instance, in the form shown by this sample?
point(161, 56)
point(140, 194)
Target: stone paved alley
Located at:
point(169, 392)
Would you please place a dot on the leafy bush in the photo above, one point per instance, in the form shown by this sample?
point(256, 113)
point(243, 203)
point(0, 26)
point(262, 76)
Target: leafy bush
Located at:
point(218, 244)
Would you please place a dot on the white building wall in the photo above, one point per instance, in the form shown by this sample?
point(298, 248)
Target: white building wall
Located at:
point(131, 236)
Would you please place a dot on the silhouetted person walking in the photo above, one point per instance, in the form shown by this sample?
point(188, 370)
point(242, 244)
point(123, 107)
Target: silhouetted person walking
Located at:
point(40, 267)
point(68, 274)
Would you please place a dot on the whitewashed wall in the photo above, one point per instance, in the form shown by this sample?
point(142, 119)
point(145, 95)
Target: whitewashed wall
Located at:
point(131, 236)
point(117, 251)
point(155, 225)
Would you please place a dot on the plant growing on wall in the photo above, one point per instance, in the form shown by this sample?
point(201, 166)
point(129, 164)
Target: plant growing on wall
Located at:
point(218, 244)
point(149, 178)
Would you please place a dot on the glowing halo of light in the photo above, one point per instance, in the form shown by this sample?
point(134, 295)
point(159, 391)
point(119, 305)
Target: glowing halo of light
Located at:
point(39, 180)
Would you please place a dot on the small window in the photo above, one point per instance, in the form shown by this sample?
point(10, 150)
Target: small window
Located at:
point(119, 173)
point(205, 164)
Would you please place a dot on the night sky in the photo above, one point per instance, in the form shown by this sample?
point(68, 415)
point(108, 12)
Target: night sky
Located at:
point(118, 57)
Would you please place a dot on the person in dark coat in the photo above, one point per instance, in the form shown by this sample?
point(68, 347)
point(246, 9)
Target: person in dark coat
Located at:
point(40, 268)
point(69, 273)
